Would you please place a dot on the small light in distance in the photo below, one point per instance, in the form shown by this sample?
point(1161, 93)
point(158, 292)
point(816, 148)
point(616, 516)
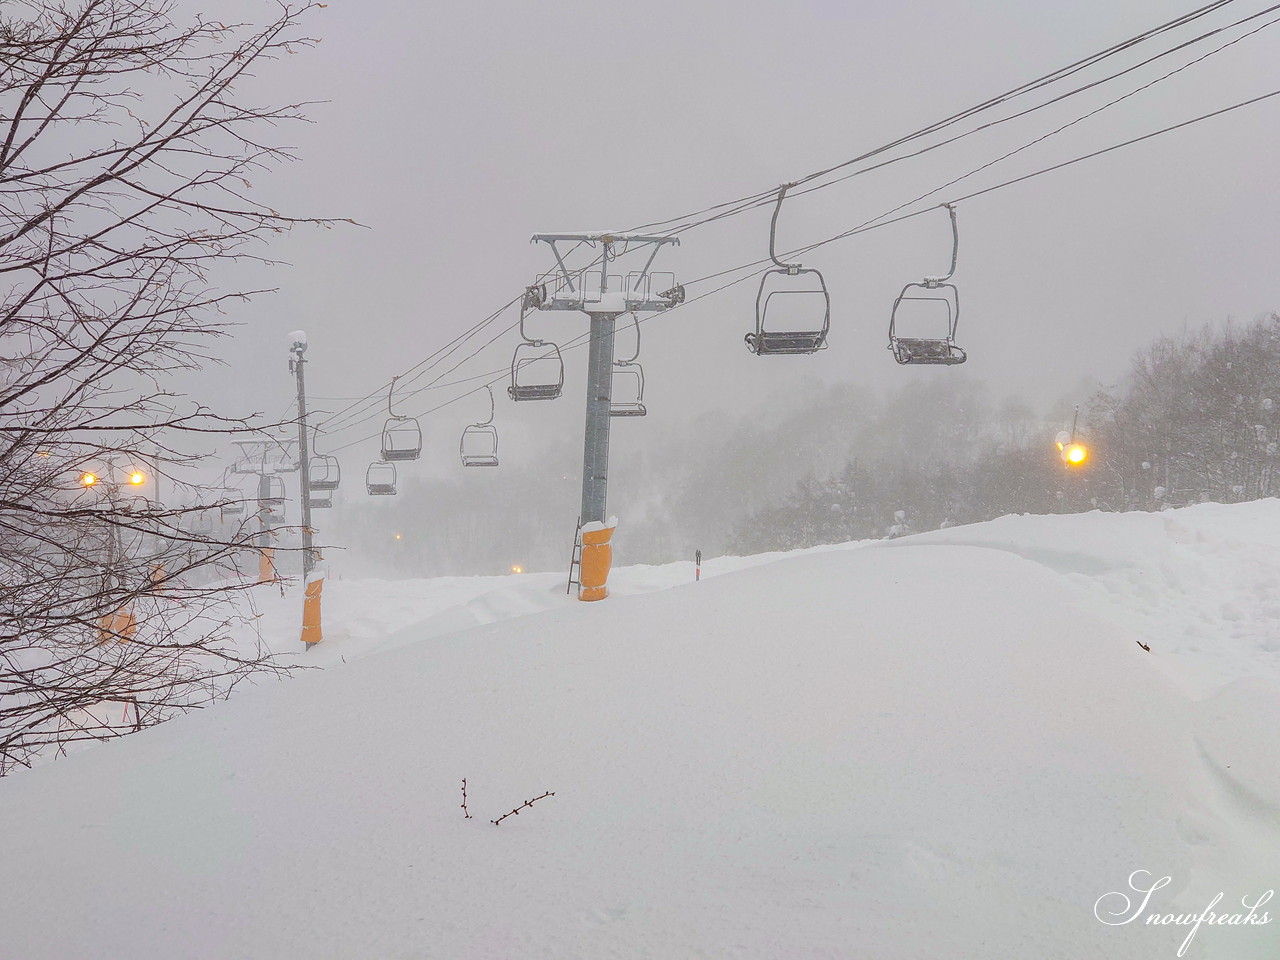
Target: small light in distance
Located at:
point(137, 478)
point(88, 479)
point(516, 568)
point(1076, 454)
point(397, 536)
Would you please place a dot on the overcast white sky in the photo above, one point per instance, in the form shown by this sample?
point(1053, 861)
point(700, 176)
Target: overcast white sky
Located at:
point(455, 130)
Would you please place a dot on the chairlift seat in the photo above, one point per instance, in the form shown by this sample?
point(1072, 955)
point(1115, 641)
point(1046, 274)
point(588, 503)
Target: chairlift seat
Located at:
point(320, 503)
point(480, 460)
point(916, 350)
point(534, 391)
point(627, 410)
point(382, 489)
point(781, 343)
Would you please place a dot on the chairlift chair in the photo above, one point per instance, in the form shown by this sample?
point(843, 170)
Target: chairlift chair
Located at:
point(537, 368)
point(324, 473)
point(401, 436)
point(271, 502)
point(233, 505)
point(322, 502)
point(478, 445)
point(808, 298)
point(626, 392)
point(938, 292)
point(202, 523)
point(380, 479)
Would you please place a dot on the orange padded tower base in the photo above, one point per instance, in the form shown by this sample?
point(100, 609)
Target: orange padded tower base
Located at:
point(597, 557)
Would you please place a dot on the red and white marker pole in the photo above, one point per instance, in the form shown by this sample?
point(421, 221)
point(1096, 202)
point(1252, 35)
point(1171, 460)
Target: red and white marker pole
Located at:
point(697, 565)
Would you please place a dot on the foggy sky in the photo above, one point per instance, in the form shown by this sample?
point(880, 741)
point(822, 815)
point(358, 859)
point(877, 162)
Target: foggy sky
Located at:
point(454, 131)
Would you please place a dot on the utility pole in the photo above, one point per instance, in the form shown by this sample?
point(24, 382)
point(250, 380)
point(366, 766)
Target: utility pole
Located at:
point(609, 299)
point(296, 366)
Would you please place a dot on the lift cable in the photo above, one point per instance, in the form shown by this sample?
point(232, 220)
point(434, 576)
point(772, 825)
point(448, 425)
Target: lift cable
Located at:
point(355, 418)
point(872, 224)
point(733, 208)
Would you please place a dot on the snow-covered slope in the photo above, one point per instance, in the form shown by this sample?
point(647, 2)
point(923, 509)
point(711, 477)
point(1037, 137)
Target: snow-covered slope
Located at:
point(946, 745)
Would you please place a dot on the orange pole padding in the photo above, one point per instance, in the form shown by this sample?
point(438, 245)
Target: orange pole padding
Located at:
point(266, 564)
point(119, 625)
point(311, 612)
point(157, 575)
point(597, 557)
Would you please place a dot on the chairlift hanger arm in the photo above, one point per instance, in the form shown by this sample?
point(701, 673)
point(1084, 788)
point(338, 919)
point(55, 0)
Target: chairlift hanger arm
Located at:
point(635, 356)
point(955, 250)
point(773, 232)
point(492, 409)
point(390, 393)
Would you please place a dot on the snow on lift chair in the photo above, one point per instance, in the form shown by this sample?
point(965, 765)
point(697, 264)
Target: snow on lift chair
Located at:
point(401, 436)
point(626, 392)
point(537, 368)
point(478, 446)
point(764, 341)
point(936, 291)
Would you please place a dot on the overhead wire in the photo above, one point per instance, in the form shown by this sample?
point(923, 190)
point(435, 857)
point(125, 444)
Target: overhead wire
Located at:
point(734, 207)
point(744, 204)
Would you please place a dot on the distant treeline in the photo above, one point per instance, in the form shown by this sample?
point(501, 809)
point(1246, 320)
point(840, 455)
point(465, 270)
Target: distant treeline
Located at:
point(1197, 418)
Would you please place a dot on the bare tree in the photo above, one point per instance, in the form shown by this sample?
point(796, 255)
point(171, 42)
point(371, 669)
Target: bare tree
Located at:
point(127, 148)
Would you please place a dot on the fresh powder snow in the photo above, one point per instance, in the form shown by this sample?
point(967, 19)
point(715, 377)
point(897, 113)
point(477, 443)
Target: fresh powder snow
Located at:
point(953, 744)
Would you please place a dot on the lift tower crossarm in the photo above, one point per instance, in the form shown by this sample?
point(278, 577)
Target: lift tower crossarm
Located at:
point(635, 294)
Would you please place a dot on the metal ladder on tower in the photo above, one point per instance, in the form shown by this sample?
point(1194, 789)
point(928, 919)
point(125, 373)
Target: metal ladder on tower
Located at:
point(575, 561)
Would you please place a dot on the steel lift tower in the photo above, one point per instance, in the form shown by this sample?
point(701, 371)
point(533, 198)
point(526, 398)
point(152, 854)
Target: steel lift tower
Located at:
point(603, 297)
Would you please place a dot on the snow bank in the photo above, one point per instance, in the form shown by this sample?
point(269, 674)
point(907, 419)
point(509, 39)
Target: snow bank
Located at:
point(944, 745)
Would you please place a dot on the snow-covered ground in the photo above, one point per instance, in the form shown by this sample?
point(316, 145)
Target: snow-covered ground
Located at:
point(947, 745)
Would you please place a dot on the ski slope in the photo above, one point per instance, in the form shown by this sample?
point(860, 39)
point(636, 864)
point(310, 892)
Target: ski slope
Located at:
point(951, 744)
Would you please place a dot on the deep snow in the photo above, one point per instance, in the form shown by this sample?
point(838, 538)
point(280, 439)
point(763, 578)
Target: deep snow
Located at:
point(944, 745)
